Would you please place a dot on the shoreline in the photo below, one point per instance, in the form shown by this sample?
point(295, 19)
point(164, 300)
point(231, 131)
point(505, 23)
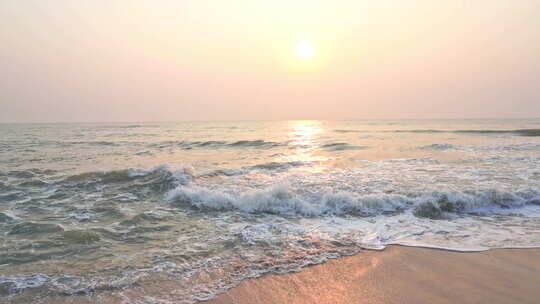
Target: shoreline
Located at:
point(396, 274)
point(402, 274)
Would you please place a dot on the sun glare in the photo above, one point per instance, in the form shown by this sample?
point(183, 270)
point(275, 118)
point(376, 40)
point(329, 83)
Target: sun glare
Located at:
point(305, 50)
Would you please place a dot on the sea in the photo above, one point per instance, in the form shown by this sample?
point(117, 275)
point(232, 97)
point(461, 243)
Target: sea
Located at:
point(178, 212)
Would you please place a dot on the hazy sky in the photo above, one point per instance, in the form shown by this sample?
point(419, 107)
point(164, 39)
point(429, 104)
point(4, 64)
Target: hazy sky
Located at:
point(107, 60)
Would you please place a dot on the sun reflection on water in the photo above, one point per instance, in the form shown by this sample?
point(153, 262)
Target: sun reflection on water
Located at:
point(304, 135)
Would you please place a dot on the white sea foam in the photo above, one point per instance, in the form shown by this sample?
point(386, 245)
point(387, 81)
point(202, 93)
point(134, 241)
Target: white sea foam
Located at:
point(282, 200)
point(17, 284)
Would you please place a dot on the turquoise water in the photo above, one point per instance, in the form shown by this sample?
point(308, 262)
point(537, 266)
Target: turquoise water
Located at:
point(178, 212)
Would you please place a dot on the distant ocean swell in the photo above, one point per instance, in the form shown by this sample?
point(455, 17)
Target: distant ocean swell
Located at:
point(185, 145)
point(491, 148)
point(521, 132)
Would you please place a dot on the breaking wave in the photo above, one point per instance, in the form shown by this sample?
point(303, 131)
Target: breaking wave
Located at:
point(281, 200)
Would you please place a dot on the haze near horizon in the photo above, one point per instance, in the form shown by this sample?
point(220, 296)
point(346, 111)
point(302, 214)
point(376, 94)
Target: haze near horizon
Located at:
point(99, 61)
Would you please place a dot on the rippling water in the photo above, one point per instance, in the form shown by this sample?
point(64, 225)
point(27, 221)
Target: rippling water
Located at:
point(177, 212)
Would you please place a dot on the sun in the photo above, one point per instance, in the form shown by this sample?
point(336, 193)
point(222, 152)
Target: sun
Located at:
point(305, 50)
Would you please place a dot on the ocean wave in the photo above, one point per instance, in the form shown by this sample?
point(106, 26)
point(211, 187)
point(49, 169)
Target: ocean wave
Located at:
point(125, 175)
point(221, 172)
point(219, 144)
point(486, 201)
point(29, 173)
point(421, 131)
point(269, 167)
point(92, 143)
point(126, 126)
point(32, 183)
point(278, 165)
point(521, 132)
point(440, 147)
point(256, 143)
point(514, 147)
point(209, 143)
point(348, 131)
point(342, 146)
point(282, 201)
point(30, 228)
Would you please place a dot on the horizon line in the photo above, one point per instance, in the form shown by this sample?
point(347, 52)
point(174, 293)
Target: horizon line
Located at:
point(258, 120)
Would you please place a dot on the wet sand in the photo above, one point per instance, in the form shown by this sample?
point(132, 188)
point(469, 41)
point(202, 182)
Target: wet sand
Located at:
point(402, 275)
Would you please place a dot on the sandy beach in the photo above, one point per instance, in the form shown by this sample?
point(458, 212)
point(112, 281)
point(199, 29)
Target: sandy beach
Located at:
point(403, 275)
